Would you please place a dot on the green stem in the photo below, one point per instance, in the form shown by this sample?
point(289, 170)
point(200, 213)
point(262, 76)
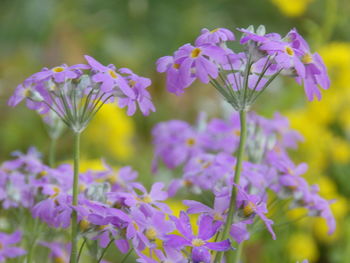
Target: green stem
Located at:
point(127, 256)
point(74, 237)
point(81, 249)
point(240, 155)
point(238, 253)
point(105, 250)
point(52, 153)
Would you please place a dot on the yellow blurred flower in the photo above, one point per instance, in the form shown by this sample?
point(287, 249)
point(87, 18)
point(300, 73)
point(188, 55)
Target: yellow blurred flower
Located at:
point(320, 228)
point(92, 164)
point(302, 246)
point(336, 56)
point(111, 131)
point(292, 8)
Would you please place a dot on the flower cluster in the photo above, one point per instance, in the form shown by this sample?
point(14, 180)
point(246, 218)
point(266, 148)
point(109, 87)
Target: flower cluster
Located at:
point(237, 167)
point(206, 157)
point(112, 208)
point(75, 93)
point(241, 76)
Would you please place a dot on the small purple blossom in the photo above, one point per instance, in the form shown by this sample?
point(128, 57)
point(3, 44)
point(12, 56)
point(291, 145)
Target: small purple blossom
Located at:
point(200, 243)
point(7, 248)
point(215, 36)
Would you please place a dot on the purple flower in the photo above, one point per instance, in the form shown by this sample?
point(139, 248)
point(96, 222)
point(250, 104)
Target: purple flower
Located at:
point(239, 231)
point(259, 37)
point(215, 36)
point(253, 205)
point(222, 135)
point(109, 78)
point(157, 227)
point(59, 74)
point(174, 82)
point(170, 255)
point(199, 243)
point(218, 212)
point(208, 170)
point(142, 96)
point(320, 207)
point(59, 252)
point(315, 71)
point(199, 61)
point(7, 250)
point(175, 142)
point(285, 55)
point(107, 230)
point(56, 210)
point(147, 201)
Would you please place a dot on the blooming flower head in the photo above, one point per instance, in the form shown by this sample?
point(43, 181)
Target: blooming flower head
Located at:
point(76, 93)
point(241, 77)
point(214, 36)
point(200, 243)
point(176, 141)
point(253, 205)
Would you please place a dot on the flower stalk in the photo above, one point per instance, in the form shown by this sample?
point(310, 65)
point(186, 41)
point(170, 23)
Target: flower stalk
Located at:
point(74, 236)
point(238, 169)
point(52, 152)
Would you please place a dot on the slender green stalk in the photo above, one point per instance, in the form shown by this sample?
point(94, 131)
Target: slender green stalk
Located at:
point(240, 155)
point(238, 254)
point(127, 256)
point(105, 250)
point(52, 152)
point(74, 237)
point(81, 249)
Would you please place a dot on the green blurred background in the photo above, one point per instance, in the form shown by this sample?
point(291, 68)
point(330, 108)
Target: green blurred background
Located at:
point(134, 33)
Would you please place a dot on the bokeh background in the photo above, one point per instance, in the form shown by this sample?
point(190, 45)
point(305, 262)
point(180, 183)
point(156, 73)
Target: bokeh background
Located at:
point(134, 33)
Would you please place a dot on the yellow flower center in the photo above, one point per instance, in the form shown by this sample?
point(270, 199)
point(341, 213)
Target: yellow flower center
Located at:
point(214, 30)
point(188, 183)
point(102, 227)
point(290, 171)
point(112, 74)
point(289, 51)
point(112, 178)
point(307, 58)
point(206, 165)
point(190, 141)
point(132, 83)
point(196, 52)
point(84, 224)
point(27, 93)
point(249, 209)
point(218, 217)
point(147, 199)
point(59, 260)
point(42, 174)
point(176, 65)
point(82, 187)
point(57, 190)
point(151, 233)
point(197, 242)
point(136, 226)
point(57, 69)
point(237, 132)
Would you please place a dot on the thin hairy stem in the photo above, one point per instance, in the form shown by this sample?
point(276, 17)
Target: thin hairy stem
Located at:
point(74, 236)
point(238, 169)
